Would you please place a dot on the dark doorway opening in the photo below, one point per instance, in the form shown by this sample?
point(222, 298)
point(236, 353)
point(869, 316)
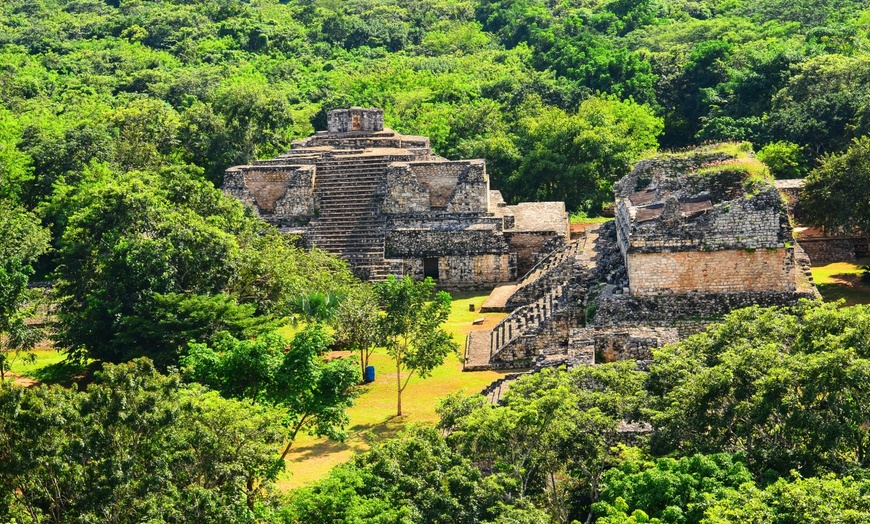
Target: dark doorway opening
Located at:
point(430, 268)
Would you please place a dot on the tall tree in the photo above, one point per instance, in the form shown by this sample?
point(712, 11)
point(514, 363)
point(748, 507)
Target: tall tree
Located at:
point(836, 195)
point(22, 240)
point(412, 328)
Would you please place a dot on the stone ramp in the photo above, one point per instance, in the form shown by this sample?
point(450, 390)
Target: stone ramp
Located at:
point(477, 349)
point(497, 300)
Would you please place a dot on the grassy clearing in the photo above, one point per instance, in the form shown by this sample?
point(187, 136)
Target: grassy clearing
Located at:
point(373, 416)
point(44, 358)
point(842, 280)
point(51, 367)
point(582, 219)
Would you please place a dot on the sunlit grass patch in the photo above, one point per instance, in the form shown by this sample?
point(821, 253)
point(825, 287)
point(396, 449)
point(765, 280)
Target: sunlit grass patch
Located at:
point(374, 414)
point(842, 280)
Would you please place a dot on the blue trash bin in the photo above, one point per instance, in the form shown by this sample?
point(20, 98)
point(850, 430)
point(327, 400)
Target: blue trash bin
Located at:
point(370, 374)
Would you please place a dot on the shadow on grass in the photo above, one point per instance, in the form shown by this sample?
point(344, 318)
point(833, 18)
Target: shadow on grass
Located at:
point(67, 372)
point(362, 435)
point(848, 286)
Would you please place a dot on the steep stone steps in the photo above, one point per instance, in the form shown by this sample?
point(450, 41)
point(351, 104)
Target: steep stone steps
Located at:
point(531, 319)
point(548, 272)
point(349, 224)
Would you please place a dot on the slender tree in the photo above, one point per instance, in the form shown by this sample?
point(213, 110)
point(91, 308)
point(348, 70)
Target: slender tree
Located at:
point(356, 323)
point(412, 328)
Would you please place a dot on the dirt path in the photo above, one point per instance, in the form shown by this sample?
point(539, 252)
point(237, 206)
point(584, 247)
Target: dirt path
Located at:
point(22, 381)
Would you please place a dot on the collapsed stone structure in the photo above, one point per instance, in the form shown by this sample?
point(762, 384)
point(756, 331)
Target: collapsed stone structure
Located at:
point(696, 235)
point(388, 205)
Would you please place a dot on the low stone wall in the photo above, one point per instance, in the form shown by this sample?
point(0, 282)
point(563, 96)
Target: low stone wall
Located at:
point(711, 271)
point(613, 309)
point(826, 250)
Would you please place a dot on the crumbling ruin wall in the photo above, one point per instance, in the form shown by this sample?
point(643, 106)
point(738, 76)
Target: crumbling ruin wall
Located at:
point(275, 192)
point(437, 186)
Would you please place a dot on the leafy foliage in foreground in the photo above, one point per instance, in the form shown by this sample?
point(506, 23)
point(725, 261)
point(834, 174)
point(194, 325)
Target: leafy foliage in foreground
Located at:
point(135, 446)
point(759, 419)
point(293, 376)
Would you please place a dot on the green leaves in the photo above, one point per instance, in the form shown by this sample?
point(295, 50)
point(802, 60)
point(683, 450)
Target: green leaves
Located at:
point(836, 193)
point(135, 446)
point(313, 393)
point(782, 386)
point(411, 327)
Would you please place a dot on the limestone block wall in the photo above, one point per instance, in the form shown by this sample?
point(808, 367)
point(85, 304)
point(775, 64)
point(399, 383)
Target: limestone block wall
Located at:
point(274, 192)
point(467, 271)
point(403, 193)
point(727, 271)
point(424, 242)
point(355, 119)
point(438, 186)
point(825, 250)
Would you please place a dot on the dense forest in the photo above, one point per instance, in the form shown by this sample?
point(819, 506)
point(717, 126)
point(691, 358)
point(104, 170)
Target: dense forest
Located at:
point(118, 119)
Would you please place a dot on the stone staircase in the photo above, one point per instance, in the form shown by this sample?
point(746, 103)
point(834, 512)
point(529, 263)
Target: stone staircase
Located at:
point(349, 224)
point(556, 267)
point(525, 321)
point(539, 329)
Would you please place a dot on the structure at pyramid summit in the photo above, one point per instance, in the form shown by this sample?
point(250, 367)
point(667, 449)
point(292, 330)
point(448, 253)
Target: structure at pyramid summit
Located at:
point(388, 205)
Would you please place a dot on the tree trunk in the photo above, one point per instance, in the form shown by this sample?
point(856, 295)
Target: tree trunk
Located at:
point(398, 388)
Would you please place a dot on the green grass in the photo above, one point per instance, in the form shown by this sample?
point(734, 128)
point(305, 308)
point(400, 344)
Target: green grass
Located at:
point(581, 218)
point(44, 358)
point(842, 280)
point(51, 367)
point(374, 414)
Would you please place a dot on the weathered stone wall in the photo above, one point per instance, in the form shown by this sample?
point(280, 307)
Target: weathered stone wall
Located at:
point(729, 271)
point(426, 242)
point(274, 192)
point(825, 250)
point(403, 193)
point(355, 119)
point(438, 186)
point(754, 222)
point(466, 271)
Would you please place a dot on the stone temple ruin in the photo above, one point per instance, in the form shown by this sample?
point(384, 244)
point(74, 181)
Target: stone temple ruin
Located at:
point(388, 205)
point(696, 235)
